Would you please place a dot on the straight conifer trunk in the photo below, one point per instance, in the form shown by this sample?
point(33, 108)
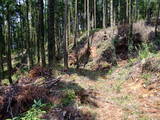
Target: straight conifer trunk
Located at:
point(8, 45)
point(88, 21)
point(51, 37)
point(65, 35)
point(157, 19)
point(104, 13)
point(76, 24)
point(95, 13)
point(111, 13)
point(41, 31)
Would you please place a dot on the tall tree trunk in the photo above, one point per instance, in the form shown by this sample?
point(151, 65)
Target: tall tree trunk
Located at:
point(65, 35)
point(28, 40)
point(119, 12)
point(8, 43)
point(131, 23)
point(1, 67)
point(1, 48)
point(148, 11)
point(69, 26)
point(137, 10)
point(85, 14)
point(76, 24)
point(59, 42)
point(95, 13)
point(111, 13)
point(41, 31)
point(157, 19)
point(92, 15)
point(104, 13)
point(37, 35)
point(88, 21)
point(127, 11)
point(38, 49)
point(108, 13)
point(51, 38)
point(33, 27)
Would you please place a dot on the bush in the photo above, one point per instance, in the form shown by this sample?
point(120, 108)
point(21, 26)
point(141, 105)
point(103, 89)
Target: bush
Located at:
point(145, 51)
point(69, 97)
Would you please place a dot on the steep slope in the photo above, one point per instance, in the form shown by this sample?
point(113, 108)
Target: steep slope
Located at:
point(110, 45)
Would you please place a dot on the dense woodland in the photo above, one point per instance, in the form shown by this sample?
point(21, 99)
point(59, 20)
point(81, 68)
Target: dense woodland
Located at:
point(48, 33)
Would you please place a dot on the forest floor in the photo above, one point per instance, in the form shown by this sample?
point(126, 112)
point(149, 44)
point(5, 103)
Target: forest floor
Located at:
point(120, 94)
point(100, 90)
point(128, 91)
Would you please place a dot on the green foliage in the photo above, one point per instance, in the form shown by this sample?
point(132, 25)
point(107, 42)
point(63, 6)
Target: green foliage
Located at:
point(145, 51)
point(147, 77)
point(69, 97)
point(144, 118)
point(34, 113)
point(131, 61)
point(38, 104)
point(123, 100)
point(118, 86)
point(156, 41)
point(15, 76)
point(111, 70)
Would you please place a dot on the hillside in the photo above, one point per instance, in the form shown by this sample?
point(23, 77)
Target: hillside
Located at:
point(111, 83)
point(79, 59)
point(108, 46)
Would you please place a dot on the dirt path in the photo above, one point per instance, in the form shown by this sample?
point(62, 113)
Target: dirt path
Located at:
point(102, 107)
point(118, 96)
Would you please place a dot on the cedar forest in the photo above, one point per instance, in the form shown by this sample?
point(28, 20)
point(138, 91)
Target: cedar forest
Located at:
point(79, 59)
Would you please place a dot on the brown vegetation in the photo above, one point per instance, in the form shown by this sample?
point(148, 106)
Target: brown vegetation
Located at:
point(110, 45)
point(17, 98)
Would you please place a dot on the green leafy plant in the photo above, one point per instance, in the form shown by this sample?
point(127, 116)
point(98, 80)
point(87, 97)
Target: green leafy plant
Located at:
point(69, 97)
point(117, 87)
point(38, 104)
point(123, 100)
point(145, 51)
point(34, 113)
point(147, 78)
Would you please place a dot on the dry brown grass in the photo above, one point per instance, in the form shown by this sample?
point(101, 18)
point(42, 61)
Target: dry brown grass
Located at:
point(146, 32)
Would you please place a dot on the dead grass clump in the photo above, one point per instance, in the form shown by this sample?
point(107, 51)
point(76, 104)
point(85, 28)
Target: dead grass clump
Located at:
point(68, 113)
point(101, 66)
point(151, 70)
point(80, 57)
point(88, 97)
point(151, 65)
point(35, 74)
point(39, 71)
point(144, 30)
point(72, 57)
point(1, 102)
point(17, 99)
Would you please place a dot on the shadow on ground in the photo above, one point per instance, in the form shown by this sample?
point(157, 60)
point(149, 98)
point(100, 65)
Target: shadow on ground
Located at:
point(28, 94)
point(91, 74)
point(70, 112)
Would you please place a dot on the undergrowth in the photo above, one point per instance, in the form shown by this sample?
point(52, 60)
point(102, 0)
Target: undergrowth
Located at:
point(34, 113)
point(68, 98)
point(145, 51)
point(146, 77)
